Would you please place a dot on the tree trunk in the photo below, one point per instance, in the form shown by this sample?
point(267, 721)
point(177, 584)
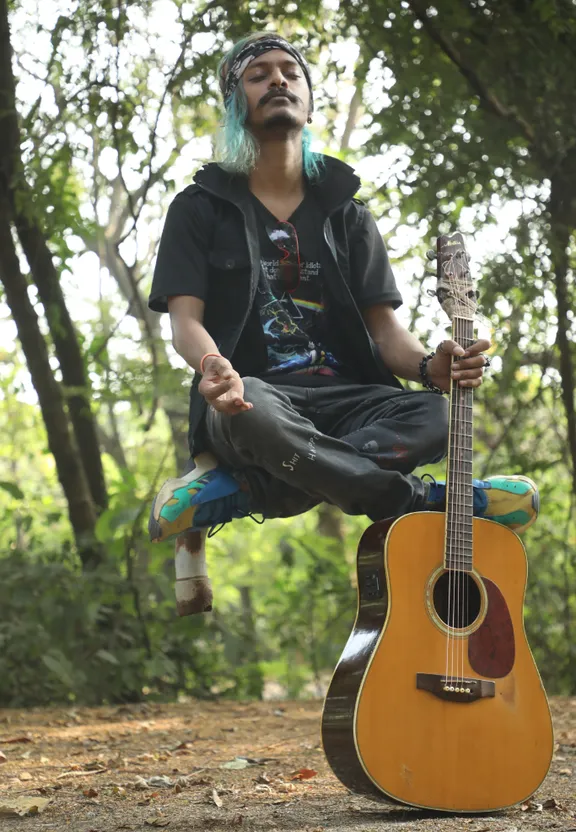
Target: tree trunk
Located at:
point(60, 440)
point(250, 651)
point(44, 273)
point(104, 245)
point(563, 222)
point(67, 350)
point(330, 522)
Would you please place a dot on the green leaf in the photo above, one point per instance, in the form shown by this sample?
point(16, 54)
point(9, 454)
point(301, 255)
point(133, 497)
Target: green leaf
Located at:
point(12, 489)
point(107, 657)
point(61, 667)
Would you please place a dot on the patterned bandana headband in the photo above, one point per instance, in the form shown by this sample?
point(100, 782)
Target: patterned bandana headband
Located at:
point(252, 51)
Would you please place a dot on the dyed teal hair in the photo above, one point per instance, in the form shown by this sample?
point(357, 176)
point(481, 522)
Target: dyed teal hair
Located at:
point(236, 148)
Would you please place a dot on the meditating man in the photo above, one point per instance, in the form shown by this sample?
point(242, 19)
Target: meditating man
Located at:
point(282, 301)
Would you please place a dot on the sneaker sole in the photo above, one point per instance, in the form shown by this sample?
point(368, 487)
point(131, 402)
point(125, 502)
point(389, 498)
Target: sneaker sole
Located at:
point(535, 502)
point(204, 462)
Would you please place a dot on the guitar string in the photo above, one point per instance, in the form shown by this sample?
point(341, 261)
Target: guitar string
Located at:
point(451, 497)
point(456, 492)
point(464, 493)
point(468, 323)
point(450, 485)
point(449, 530)
point(459, 502)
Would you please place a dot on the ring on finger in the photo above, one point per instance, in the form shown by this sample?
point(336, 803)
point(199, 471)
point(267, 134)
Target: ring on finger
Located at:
point(487, 361)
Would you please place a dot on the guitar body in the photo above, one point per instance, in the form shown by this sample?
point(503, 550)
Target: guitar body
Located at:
point(390, 729)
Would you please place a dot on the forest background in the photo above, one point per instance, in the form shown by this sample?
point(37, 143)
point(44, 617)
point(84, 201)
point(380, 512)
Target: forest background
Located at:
point(460, 116)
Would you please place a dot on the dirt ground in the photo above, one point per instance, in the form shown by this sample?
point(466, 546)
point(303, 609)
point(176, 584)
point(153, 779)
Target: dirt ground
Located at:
point(221, 766)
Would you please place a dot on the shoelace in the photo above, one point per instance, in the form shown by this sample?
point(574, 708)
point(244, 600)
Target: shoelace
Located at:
point(226, 506)
point(213, 530)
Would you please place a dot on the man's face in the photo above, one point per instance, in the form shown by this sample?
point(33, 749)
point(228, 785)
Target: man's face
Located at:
point(277, 92)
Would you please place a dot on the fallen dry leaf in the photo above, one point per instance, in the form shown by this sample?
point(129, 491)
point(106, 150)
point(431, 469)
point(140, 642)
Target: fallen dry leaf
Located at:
point(565, 771)
point(90, 793)
point(160, 782)
point(237, 763)
point(551, 803)
point(181, 746)
point(157, 822)
point(22, 806)
point(217, 799)
point(3, 757)
point(304, 774)
point(531, 806)
point(80, 773)
point(16, 739)
point(25, 775)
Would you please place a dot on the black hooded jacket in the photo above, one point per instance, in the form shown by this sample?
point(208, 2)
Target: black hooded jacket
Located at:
point(209, 249)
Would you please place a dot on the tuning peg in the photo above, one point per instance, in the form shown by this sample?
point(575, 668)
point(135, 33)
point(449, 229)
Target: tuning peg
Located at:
point(431, 254)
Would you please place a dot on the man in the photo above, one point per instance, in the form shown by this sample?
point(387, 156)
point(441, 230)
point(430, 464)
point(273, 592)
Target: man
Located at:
point(282, 299)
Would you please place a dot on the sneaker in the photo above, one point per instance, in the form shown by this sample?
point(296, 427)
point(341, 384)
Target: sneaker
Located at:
point(511, 501)
point(205, 497)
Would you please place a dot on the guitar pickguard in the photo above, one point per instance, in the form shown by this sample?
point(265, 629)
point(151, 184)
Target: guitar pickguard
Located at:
point(491, 648)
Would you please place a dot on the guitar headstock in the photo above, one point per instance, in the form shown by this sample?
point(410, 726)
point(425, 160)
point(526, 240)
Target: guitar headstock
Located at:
point(455, 288)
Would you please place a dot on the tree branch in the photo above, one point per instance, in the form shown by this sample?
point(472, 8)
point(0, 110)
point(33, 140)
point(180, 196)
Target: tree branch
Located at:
point(489, 100)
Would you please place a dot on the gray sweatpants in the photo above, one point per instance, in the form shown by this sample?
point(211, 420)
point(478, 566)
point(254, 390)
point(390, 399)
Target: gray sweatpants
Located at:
point(352, 445)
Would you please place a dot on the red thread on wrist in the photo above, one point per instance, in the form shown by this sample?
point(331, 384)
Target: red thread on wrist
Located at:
point(204, 357)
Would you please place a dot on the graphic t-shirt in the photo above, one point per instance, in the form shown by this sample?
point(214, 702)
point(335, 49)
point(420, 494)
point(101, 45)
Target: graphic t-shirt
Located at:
point(292, 317)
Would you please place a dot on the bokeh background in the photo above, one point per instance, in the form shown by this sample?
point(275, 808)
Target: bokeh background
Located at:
point(459, 115)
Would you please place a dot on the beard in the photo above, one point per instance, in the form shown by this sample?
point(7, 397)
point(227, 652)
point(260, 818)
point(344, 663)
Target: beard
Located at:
point(284, 120)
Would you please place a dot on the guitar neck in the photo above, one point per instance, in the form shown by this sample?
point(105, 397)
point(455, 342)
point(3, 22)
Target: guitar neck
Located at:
point(459, 491)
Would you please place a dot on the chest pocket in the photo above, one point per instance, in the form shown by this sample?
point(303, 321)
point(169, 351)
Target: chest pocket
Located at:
point(228, 294)
point(228, 261)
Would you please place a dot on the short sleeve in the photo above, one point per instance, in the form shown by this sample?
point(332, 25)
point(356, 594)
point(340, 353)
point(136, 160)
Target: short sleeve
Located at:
point(372, 277)
point(182, 262)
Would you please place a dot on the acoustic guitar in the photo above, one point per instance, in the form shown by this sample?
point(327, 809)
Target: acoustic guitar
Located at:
point(436, 701)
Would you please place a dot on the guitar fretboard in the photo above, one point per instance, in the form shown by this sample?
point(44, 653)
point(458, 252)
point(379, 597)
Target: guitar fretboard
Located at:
point(459, 496)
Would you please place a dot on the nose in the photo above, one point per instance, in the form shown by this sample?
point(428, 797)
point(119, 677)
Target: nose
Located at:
point(277, 78)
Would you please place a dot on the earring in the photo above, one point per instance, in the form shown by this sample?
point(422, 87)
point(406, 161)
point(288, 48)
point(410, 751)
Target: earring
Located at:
point(309, 119)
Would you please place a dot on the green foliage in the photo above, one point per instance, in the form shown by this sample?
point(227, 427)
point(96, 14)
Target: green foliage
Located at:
point(466, 118)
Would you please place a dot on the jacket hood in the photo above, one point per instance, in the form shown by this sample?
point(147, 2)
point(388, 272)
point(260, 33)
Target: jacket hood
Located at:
point(335, 186)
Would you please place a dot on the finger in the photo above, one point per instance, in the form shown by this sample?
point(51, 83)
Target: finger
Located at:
point(214, 391)
point(231, 406)
point(478, 346)
point(470, 382)
point(477, 372)
point(450, 348)
point(470, 363)
point(218, 373)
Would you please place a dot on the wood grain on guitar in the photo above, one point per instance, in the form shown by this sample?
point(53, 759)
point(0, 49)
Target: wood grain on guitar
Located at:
point(436, 696)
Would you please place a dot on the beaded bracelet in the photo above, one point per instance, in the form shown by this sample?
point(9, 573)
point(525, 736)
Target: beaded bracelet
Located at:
point(424, 378)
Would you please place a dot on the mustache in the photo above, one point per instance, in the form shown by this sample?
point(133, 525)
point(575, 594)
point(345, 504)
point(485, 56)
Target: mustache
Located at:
point(278, 93)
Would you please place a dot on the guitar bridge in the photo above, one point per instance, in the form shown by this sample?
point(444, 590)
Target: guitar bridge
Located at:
point(455, 689)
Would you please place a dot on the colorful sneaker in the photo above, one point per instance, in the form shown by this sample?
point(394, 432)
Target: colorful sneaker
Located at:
point(207, 496)
point(511, 501)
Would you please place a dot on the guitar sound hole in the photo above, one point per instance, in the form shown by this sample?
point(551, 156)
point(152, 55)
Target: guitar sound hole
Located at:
point(457, 599)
